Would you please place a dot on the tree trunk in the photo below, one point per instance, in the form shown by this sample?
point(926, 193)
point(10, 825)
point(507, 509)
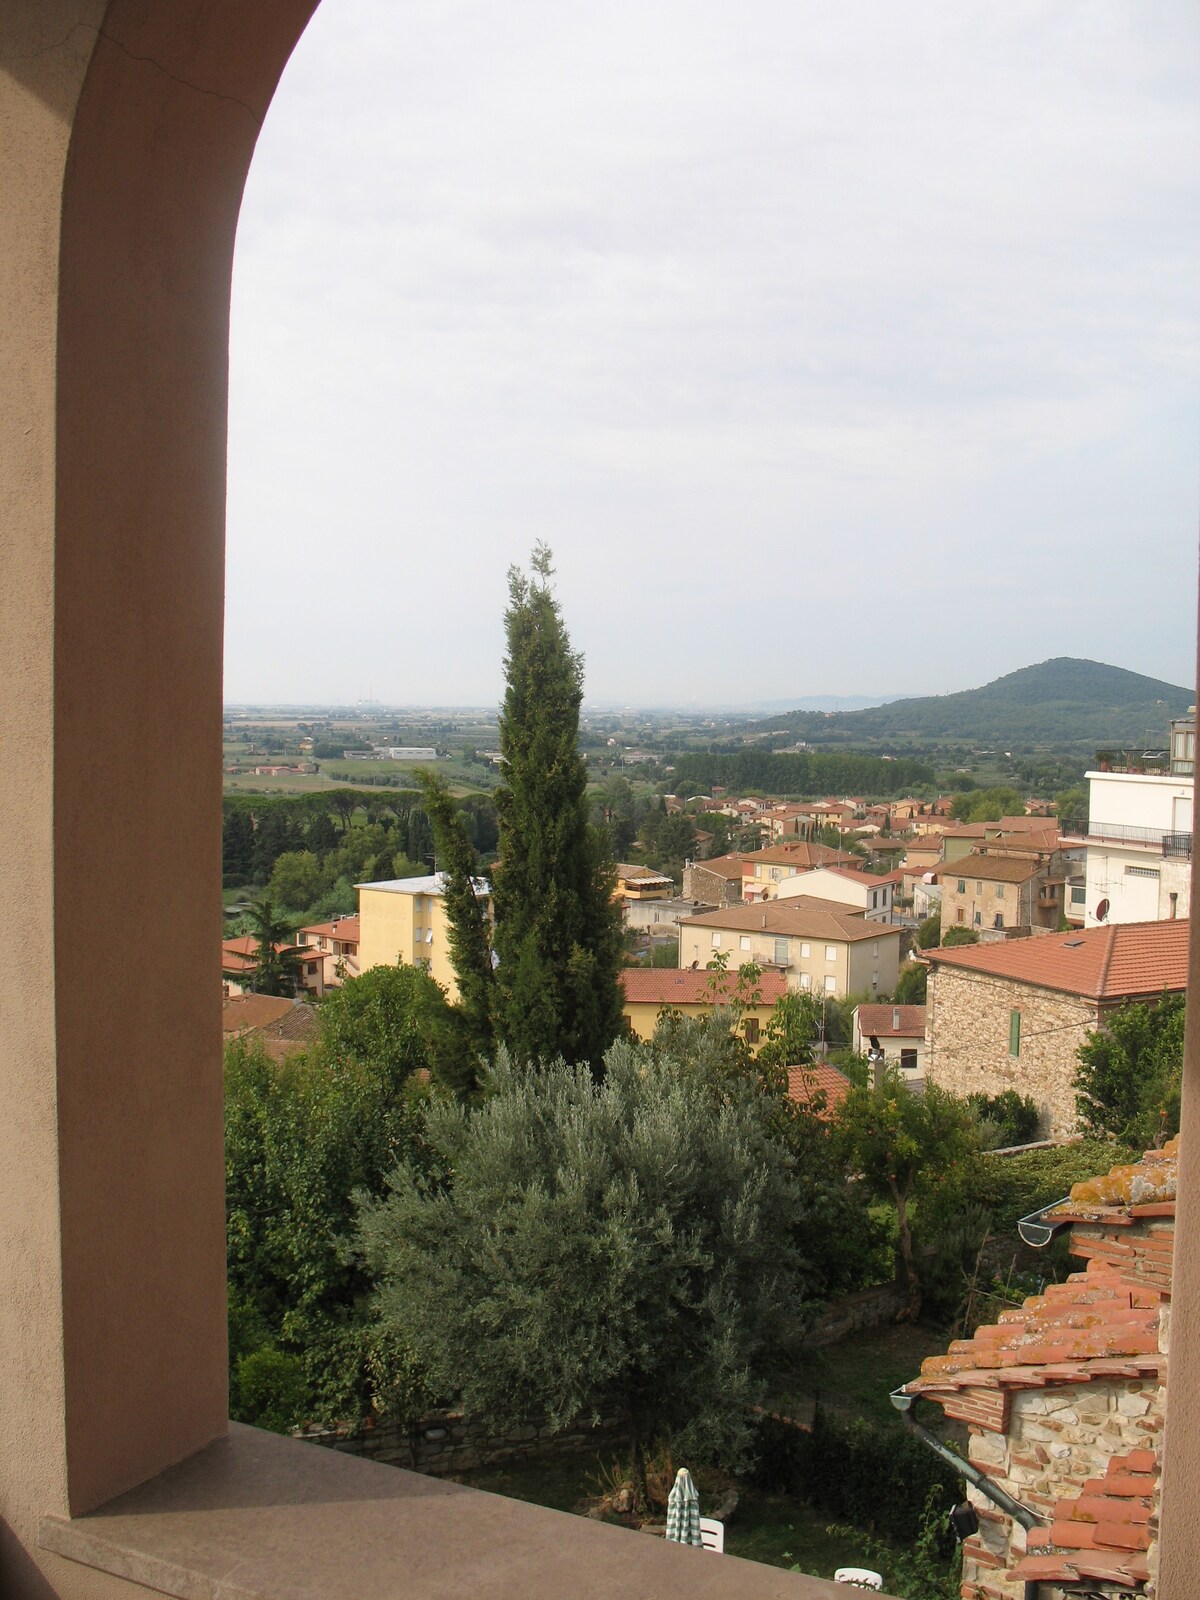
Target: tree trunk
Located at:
point(638, 1458)
point(912, 1310)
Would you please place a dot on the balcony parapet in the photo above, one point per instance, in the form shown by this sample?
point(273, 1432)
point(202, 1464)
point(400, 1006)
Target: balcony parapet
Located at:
point(255, 1516)
point(1169, 843)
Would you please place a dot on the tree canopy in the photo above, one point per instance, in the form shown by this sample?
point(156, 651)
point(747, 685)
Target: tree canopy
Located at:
point(557, 935)
point(623, 1247)
point(1130, 1073)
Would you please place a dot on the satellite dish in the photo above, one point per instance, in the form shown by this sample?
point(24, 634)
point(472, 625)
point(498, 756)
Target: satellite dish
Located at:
point(1102, 911)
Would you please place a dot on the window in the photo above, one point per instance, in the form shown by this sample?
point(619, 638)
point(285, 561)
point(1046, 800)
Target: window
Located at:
point(831, 952)
point(999, 891)
point(774, 874)
point(1078, 895)
point(830, 983)
point(962, 888)
point(978, 886)
point(417, 933)
point(978, 919)
point(998, 920)
point(750, 1030)
point(874, 980)
point(806, 980)
point(805, 952)
point(1014, 1033)
point(908, 1060)
point(875, 948)
point(959, 914)
point(874, 898)
point(744, 942)
point(1141, 872)
point(781, 952)
point(716, 941)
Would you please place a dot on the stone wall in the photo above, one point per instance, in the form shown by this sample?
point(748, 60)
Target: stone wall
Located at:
point(700, 883)
point(967, 1022)
point(446, 1442)
point(1058, 1440)
point(854, 1313)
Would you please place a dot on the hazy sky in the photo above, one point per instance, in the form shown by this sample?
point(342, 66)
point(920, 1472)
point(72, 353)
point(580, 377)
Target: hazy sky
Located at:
point(834, 348)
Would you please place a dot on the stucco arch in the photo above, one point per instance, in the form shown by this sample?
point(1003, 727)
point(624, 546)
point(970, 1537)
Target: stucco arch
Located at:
point(126, 130)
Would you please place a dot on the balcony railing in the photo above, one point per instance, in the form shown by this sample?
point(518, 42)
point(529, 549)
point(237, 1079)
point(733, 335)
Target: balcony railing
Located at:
point(1177, 844)
point(1123, 833)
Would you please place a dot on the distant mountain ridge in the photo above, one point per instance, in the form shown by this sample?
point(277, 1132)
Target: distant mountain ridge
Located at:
point(1066, 699)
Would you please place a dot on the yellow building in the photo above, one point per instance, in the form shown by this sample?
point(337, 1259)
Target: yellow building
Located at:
point(640, 883)
point(818, 947)
point(647, 991)
point(403, 920)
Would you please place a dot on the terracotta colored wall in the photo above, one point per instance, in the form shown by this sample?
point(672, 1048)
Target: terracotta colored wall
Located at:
point(125, 132)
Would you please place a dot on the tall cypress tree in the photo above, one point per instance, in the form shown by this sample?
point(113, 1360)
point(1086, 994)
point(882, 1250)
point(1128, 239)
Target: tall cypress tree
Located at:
point(558, 932)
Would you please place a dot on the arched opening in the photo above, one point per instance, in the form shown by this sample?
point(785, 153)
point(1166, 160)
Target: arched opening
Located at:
point(127, 128)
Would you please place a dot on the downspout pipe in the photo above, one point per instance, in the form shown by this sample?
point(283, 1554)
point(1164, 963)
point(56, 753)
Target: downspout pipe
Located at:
point(966, 1469)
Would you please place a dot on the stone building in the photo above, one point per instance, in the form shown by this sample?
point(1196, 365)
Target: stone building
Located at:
point(1000, 894)
point(1013, 1015)
point(716, 882)
point(1063, 1400)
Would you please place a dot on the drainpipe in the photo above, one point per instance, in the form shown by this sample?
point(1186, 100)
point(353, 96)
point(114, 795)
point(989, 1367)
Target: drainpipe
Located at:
point(978, 1480)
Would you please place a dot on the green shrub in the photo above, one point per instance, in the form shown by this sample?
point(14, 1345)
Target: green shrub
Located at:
point(874, 1477)
point(1005, 1119)
point(1011, 1187)
point(269, 1389)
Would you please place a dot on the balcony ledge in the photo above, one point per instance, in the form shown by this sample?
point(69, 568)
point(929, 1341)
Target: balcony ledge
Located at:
point(255, 1516)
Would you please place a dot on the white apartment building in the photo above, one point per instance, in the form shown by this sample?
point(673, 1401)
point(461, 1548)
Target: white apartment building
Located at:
point(1139, 844)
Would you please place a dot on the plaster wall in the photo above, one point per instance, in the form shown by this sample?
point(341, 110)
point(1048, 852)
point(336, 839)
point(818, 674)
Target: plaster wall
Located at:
point(388, 923)
point(1137, 799)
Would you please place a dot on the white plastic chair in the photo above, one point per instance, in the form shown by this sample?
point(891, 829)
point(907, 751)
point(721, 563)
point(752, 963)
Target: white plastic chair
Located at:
point(859, 1578)
point(712, 1535)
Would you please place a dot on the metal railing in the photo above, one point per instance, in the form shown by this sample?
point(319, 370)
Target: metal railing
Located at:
point(1123, 833)
point(1177, 844)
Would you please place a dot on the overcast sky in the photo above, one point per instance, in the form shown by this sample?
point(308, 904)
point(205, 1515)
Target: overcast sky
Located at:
point(834, 348)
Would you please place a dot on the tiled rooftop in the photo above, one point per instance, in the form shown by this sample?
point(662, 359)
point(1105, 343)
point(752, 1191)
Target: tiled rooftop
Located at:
point(666, 986)
point(1125, 960)
point(994, 869)
point(818, 1078)
point(1101, 1534)
point(800, 917)
point(881, 1021)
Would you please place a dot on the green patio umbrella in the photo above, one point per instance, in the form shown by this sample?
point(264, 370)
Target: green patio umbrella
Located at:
point(683, 1511)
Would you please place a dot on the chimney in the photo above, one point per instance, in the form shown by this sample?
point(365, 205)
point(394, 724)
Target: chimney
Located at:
point(764, 919)
point(895, 1019)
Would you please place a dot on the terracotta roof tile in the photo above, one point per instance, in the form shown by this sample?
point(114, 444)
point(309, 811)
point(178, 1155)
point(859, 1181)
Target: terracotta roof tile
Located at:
point(667, 986)
point(1089, 1318)
point(1145, 1188)
point(340, 928)
point(1128, 959)
point(878, 1020)
point(800, 916)
point(1101, 1532)
point(994, 869)
point(818, 1078)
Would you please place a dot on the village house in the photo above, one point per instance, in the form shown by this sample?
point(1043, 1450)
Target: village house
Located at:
point(281, 1026)
point(900, 1031)
point(1064, 1401)
point(818, 1086)
point(641, 883)
point(338, 942)
point(764, 870)
point(844, 886)
point(1013, 1015)
point(239, 958)
point(1000, 895)
point(404, 920)
point(819, 947)
point(716, 882)
point(1139, 844)
point(648, 991)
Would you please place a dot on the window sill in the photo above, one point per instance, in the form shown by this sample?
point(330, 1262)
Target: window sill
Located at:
point(257, 1517)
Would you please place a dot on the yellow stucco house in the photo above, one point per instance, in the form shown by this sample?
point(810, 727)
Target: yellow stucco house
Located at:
point(647, 991)
point(403, 920)
point(817, 946)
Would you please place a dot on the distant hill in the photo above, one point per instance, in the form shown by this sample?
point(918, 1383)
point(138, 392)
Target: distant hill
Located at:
point(1066, 701)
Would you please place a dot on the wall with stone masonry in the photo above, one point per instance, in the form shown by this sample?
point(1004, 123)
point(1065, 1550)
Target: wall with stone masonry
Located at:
point(967, 1036)
point(1058, 1439)
point(445, 1442)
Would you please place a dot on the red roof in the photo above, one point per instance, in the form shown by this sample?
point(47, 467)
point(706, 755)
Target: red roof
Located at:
point(818, 1078)
point(1127, 959)
point(667, 986)
point(878, 1020)
point(1102, 1532)
point(340, 928)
